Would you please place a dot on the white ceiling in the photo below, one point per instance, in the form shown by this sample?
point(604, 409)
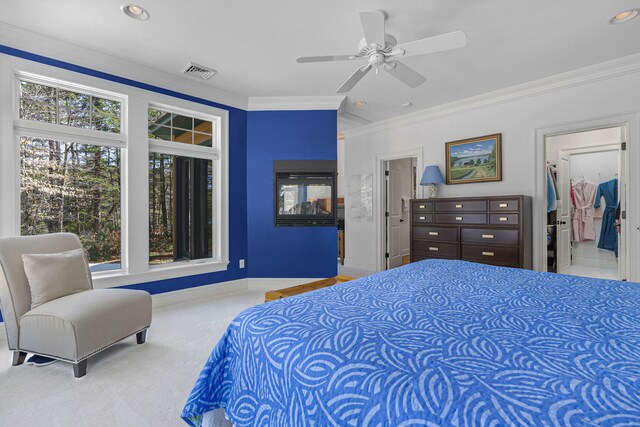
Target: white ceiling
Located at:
point(254, 43)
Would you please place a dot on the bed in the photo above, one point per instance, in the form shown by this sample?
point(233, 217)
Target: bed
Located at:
point(432, 343)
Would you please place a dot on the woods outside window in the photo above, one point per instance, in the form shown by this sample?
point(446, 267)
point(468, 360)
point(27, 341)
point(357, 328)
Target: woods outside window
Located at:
point(70, 168)
point(154, 208)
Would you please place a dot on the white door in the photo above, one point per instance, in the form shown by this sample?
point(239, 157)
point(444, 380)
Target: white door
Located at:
point(563, 222)
point(622, 197)
point(394, 208)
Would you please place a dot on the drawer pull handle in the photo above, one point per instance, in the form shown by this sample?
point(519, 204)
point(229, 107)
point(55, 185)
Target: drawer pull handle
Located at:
point(422, 217)
point(458, 206)
point(458, 218)
point(421, 206)
point(488, 253)
point(433, 248)
point(504, 218)
point(433, 233)
point(488, 236)
point(504, 205)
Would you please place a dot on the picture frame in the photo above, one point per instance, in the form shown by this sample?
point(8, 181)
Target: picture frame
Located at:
point(476, 159)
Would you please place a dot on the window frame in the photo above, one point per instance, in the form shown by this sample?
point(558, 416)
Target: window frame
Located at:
point(35, 129)
point(212, 153)
point(132, 140)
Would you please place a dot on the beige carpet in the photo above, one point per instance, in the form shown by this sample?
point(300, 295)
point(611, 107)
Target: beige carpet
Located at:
point(128, 384)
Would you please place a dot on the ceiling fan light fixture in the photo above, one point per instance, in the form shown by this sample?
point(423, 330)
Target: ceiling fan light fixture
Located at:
point(625, 16)
point(136, 12)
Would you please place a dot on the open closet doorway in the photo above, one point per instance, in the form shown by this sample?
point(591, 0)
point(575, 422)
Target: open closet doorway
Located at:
point(399, 188)
point(586, 202)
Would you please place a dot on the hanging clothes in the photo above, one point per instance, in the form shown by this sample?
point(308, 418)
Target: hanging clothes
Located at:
point(573, 195)
point(583, 228)
point(552, 201)
point(608, 232)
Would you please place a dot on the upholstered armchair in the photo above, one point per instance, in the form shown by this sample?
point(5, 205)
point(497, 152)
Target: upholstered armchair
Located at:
point(70, 328)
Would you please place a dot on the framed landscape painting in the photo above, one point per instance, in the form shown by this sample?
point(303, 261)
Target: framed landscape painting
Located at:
point(474, 160)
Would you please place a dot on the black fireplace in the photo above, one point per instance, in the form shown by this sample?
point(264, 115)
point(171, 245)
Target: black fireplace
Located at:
point(304, 192)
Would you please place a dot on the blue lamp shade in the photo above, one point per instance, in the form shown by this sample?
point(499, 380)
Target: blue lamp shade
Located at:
point(432, 175)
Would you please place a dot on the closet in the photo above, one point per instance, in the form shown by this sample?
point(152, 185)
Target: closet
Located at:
point(583, 205)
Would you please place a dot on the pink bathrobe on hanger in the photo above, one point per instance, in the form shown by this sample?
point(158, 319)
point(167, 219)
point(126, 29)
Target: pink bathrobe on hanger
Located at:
point(585, 195)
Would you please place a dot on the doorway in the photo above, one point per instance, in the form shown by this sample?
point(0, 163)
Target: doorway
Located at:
point(586, 203)
point(400, 186)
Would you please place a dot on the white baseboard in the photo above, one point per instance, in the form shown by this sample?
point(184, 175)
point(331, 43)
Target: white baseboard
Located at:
point(272, 284)
point(199, 292)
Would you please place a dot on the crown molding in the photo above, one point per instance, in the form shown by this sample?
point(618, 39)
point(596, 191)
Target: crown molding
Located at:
point(582, 76)
point(353, 120)
point(36, 43)
point(280, 103)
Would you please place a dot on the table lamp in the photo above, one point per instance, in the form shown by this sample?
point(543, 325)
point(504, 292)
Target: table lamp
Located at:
point(431, 178)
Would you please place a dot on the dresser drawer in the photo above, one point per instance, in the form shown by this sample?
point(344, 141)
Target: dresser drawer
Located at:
point(504, 205)
point(488, 253)
point(461, 206)
point(460, 218)
point(449, 234)
point(435, 249)
point(422, 206)
point(422, 218)
point(490, 236)
point(504, 219)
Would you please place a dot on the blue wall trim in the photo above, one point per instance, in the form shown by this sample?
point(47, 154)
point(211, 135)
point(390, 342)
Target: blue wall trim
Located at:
point(287, 251)
point(237, 176)
point(107, 76)
point(255, 140)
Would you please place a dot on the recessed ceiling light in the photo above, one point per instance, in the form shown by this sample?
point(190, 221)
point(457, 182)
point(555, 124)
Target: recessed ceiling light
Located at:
point(135, 12)
point(359, 104)
point(625, 16)
point(407, 104)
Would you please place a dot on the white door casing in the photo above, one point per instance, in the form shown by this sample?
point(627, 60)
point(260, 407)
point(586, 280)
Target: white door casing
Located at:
point(394, 207)
point(563, 222)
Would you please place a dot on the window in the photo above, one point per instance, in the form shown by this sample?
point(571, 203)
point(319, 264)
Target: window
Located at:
point(180, 187)
point(68, 186)
point(145, 209)
point(42, 103)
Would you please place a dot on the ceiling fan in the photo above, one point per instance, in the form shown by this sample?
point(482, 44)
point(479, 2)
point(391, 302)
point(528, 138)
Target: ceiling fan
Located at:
point(381, 49)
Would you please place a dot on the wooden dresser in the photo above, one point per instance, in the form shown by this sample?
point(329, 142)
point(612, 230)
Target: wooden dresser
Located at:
point(492, 230)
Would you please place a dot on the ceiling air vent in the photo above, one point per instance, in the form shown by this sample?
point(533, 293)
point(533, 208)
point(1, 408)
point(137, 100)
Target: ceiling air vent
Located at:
point(199, 71)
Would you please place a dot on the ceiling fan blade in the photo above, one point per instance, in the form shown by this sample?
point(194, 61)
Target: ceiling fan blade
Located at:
point(303, 59)
point(454, 40)
point(354, 79)
point(405, 74)
point(373, 27)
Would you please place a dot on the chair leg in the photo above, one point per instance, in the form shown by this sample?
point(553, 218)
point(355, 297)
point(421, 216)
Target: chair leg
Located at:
point(80, 369)
point(18, 358)
point(141, 337)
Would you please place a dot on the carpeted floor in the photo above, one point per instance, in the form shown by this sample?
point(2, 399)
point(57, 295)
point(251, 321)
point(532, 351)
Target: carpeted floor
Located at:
point(128, 384)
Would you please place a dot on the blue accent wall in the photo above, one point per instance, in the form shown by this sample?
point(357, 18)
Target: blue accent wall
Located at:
point(287, 251)
point(255, 140)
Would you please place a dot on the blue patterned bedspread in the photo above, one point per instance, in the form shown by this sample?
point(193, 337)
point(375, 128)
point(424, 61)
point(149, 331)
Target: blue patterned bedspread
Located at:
point(434, 343)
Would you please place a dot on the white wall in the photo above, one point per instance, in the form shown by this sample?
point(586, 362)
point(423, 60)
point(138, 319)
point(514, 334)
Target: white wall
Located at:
point(520, 119)
point(342, 177)
point(574, 140)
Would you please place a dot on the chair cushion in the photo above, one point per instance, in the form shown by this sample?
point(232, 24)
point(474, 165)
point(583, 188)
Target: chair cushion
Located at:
point(75, 326)
point(55, 275)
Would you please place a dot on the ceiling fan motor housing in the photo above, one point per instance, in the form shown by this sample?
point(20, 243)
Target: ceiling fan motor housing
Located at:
point(365, 50)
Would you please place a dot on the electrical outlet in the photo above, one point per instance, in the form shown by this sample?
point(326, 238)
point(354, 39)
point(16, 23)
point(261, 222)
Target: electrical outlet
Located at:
point(241, 263)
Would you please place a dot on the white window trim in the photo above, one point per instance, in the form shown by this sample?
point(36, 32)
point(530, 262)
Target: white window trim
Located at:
point(193, 151)
point(133, 135)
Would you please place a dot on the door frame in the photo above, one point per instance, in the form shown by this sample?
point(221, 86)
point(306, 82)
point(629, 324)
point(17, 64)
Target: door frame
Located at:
point(631, 128)
point(602, 148)
point(379, 199)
